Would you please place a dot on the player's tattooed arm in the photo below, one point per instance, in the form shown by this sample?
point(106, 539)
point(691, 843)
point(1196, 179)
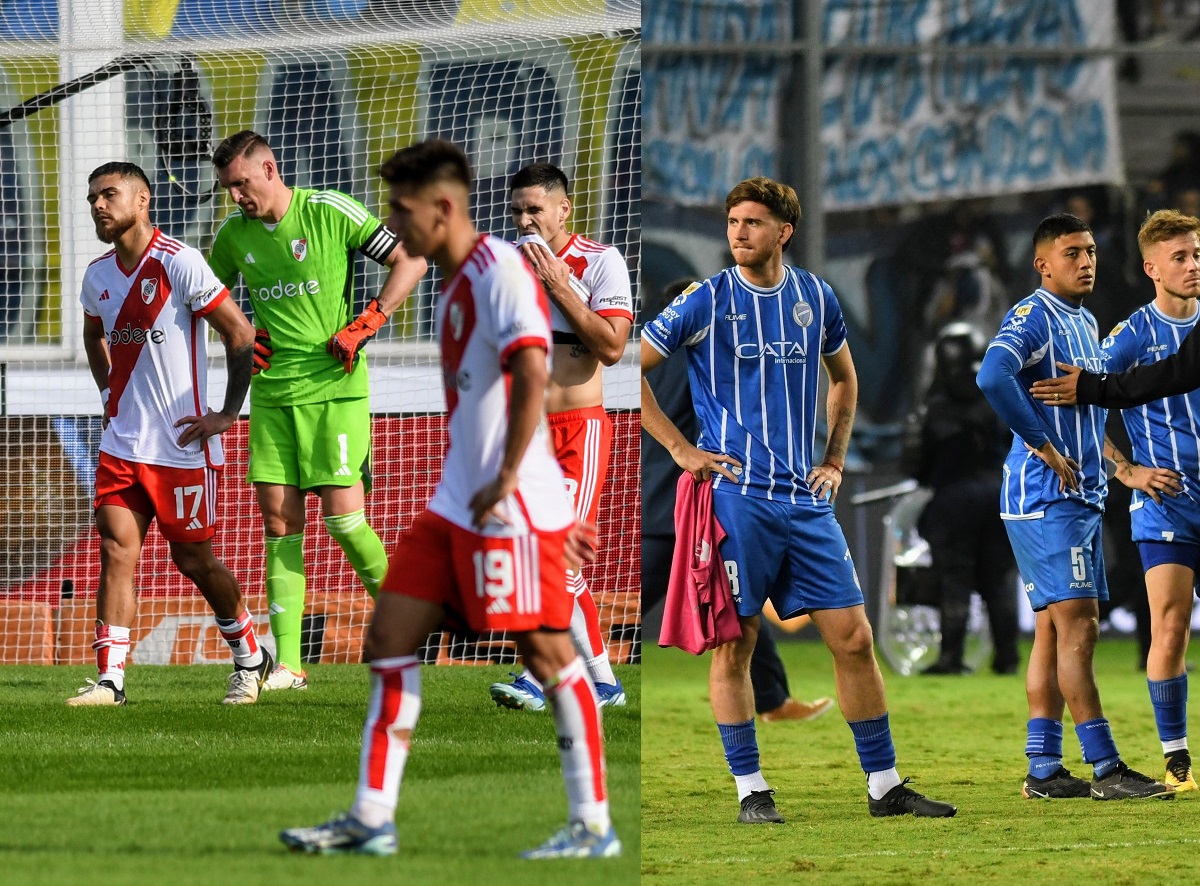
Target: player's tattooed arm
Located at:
point(238, 335)
point(826, 478)
point(1150, 480)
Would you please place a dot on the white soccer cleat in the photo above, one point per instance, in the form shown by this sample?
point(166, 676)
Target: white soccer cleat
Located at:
point(245, 684)
point(283, 677)
point(102, 694)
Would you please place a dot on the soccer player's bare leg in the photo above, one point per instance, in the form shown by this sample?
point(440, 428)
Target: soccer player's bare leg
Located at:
point(345, 519)
point(856, 674)
point(732, 697)
point(122, 532)
point(1169, 587)
point(282, 510)
point(197, 562)
point(861, 695)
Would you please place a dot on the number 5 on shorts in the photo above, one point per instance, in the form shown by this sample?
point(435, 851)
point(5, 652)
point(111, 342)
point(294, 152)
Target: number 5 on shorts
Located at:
point(180, 493)
point(1078, 565)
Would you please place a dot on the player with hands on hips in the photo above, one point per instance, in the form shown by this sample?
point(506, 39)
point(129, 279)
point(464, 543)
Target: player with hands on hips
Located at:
point(147, 305)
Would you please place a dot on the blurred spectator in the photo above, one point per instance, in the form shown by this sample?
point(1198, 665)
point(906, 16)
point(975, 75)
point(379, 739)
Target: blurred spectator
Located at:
point(956, 446)
point(1182, 172)
point(959, 263)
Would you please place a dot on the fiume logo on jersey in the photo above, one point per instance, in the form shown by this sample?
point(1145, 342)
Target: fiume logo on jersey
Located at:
point(300, 248)
point(279, 289)
point(802, 314)
point(149, 290)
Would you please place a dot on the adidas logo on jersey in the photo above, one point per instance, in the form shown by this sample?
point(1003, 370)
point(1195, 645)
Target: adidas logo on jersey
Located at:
point(195, 524)
point(343, 471)
point(104, 295)
point(249, 259)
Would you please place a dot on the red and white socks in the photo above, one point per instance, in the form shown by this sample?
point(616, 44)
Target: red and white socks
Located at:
point(394, 706)
point(586, 633)
point(239, 634)
point(580, 746)
point(111, 645)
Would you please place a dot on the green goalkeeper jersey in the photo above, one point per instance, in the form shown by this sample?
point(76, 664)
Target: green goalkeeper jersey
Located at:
point(299, 276)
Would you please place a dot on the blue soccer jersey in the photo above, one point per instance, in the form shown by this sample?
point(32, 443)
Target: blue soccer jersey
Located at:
point(1039, 331)
point(1164, 433)
point(754, 365)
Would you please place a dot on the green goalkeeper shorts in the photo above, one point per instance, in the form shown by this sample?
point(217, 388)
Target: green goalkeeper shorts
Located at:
point(315, 444)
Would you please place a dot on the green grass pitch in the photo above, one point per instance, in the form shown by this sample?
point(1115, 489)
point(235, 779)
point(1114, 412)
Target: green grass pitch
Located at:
point(961, 739)
point(177, 789)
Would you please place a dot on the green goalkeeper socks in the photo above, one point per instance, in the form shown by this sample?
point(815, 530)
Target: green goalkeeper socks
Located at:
point(363, 548)
point(285, 596)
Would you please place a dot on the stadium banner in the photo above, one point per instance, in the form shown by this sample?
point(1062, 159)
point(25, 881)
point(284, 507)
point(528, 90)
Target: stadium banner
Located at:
point(709, 122)
point(48, 582)
point(894, 128)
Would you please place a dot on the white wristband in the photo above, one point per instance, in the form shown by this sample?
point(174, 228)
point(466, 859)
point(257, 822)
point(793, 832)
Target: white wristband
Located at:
point(104, 397)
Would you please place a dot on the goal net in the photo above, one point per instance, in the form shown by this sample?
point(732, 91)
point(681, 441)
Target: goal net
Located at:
point(335, 86)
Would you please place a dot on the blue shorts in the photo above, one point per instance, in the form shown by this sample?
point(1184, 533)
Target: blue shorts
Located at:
point(1158, 553)
point(1060, 555)
point(794, 554)
point(1175, 520)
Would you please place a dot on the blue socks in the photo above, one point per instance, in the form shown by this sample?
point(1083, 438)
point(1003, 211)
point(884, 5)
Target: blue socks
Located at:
point(1099, 749)
point(1043, 746)
point(873, 741)
point(1169, 698)
point(741, 747)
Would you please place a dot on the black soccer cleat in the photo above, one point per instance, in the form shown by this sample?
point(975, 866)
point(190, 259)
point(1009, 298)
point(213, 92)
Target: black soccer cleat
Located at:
point(1061, 785)
point(903, 800)
point(1124, 783)
point(758, 807)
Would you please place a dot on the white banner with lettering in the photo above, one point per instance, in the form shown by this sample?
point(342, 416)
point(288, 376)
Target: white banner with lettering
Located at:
point(894, 129)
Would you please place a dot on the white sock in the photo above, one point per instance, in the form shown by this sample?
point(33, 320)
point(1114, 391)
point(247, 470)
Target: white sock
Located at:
point(239, 634)
point(586, 633)
point(580, 746)
point(395, 704)
point(1178, 744)
point(748, 784)
point(879, 783)
point(111, 645)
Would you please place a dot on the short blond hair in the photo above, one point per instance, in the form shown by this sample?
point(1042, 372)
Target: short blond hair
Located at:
point(1166, 224)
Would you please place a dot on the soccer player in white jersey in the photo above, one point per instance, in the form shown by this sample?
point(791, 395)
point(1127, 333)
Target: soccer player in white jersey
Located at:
point(148, 303)
point(1052, 500)
point(1166, 449)
point(754, 335)
point(489, 549)
point(591, 311)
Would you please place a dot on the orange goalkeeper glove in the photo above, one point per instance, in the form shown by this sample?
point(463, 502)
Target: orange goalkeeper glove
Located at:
point(344, 345)
point(262, 351)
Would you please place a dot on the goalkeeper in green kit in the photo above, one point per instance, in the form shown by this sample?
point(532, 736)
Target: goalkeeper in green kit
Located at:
point(310, 421)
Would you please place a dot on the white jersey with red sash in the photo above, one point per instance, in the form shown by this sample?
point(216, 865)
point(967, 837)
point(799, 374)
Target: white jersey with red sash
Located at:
point(491, 308)
point(158, 346)
point(604, 284)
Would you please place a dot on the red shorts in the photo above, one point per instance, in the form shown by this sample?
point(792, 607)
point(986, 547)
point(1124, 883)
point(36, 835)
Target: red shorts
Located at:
point(184, 500)
point(583, 444)
point(492, 584)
